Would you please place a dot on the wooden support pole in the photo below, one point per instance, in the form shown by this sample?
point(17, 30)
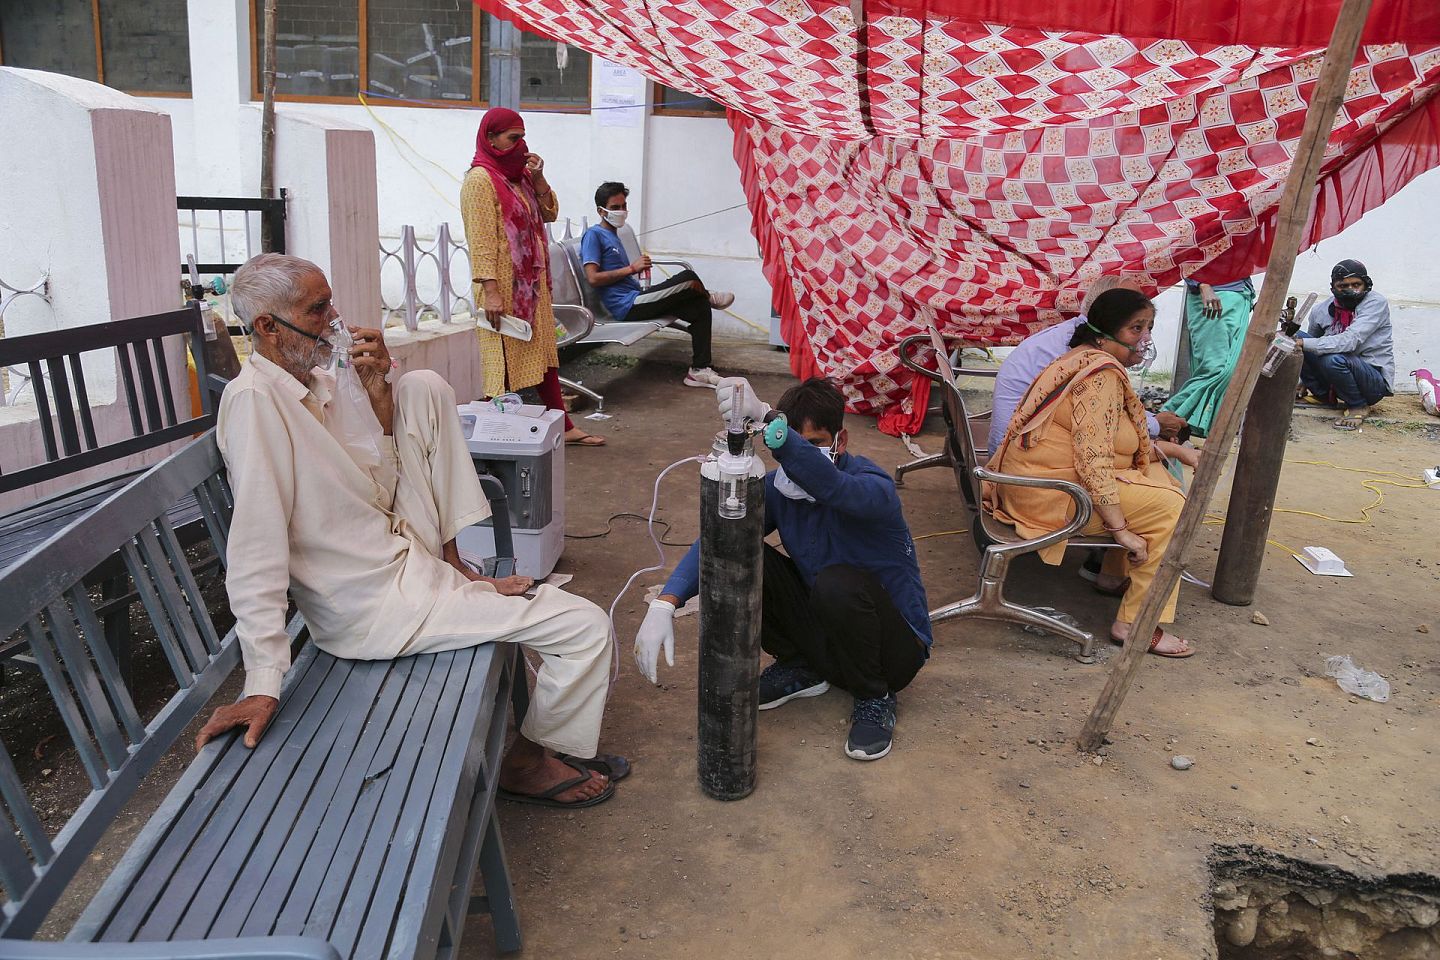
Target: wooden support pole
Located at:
point(267, 122)
point(1291, 216)
point(1257, 477)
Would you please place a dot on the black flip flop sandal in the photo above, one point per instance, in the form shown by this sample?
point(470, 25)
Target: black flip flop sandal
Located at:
point(547, 799)
point(615, 767)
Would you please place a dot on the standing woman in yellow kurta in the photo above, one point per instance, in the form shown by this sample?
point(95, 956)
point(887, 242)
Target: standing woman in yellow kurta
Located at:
point(1081, 421)
point(506, 202)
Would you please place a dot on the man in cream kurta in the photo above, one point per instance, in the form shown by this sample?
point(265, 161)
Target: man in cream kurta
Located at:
point(359, 527)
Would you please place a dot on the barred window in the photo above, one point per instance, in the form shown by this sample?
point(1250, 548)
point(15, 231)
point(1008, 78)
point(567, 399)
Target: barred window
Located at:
point(678, 103)
point(553, 73)
point(141, 48)
point(398, 51)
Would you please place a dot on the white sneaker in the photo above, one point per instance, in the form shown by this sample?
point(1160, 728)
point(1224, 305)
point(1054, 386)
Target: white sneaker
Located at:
point(704, 377)
point(721, 300)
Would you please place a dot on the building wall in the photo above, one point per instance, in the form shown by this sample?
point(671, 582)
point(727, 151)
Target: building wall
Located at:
point(679, 168)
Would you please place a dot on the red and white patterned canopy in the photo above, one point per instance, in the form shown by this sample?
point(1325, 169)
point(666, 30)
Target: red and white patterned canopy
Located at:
point(934, 165)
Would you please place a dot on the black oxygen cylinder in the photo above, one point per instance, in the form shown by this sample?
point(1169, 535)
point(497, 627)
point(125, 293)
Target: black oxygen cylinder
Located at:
point(731, 560)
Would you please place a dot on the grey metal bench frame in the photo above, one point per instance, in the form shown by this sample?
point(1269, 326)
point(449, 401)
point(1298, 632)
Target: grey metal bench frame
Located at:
point(344, 833)
point(998, 542)
point(62, 401)
point(71, 444)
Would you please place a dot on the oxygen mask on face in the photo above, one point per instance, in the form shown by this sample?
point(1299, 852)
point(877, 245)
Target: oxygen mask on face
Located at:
point(332, 351)
point(356, 425)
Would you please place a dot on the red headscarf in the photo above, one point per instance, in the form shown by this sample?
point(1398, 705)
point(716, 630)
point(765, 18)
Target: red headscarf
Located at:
point(511, 163)
point(519, 207)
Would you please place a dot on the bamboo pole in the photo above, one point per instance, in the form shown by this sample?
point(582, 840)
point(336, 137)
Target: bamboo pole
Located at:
point(1291, 217)
point(267, 123)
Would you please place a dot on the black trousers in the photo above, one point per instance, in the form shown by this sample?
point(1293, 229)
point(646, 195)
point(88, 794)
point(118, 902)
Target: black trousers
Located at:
point(845, 628)
point(671, 298)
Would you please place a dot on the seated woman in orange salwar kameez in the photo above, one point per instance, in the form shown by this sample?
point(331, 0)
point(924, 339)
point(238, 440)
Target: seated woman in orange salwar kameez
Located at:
point(1082, 422)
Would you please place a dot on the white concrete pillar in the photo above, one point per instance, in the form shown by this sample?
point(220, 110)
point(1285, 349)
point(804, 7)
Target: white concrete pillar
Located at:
point(88, 198)
point(328, 167)
point(220, 84)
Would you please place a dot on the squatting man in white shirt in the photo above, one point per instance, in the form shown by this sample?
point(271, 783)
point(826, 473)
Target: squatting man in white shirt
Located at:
point(354, 508)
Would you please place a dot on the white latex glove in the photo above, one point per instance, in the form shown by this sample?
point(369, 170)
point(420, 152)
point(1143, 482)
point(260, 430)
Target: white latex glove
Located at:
point(658, 628)
point(751, 406)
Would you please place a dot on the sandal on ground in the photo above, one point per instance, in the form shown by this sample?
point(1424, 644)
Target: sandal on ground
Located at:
point(585, 440)
point(1351, 421)
point(1155, 639)
point(547, 797)
point(612, 766)
point(1115, 591)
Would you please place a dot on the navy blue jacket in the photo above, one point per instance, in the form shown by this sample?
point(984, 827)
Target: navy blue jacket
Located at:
point(855, 520)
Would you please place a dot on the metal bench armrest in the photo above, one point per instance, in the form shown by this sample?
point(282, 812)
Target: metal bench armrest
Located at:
point(579, 329)
point(247, 948)
point(1083, 508)
point(684, 264)
point(906, 352)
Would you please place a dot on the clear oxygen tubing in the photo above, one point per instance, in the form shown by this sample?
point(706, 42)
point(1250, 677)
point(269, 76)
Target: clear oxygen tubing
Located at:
point(660, 553)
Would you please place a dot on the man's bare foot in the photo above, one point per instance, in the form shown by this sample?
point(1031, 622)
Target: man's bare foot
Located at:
point(1168, 646)
point(530, 771)
point(576, 437)
point(509, 586)
point(505, 586)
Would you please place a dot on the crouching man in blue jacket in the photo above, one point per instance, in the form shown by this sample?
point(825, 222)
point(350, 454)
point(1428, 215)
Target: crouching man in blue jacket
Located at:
point(846, 606)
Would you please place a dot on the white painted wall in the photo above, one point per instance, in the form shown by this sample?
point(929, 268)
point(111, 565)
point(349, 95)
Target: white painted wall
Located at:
point(678, 168)
point(1400, 251)
point(88, 197)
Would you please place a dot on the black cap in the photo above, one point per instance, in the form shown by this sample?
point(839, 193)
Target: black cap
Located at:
point(1348, 268)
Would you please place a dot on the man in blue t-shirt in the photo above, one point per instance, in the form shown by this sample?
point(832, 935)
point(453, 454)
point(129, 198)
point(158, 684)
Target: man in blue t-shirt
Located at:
point(846, 606)
point(610, 271)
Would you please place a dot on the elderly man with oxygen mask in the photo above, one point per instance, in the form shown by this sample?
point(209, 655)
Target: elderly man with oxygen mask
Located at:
point(846, 606)
point(350, 486)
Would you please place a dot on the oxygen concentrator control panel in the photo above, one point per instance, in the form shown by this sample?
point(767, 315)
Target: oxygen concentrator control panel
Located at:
point(481, 424)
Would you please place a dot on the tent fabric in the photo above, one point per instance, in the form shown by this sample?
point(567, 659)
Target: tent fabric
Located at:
point(997, 238)
point(1293, 23)
point(978, 164)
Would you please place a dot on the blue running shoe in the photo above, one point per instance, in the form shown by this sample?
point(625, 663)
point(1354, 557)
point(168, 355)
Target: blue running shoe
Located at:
point(780, 683)
point(872, 727)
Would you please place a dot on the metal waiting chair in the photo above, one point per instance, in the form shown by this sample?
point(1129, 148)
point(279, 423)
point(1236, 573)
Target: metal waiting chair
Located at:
point(998, 542)
point(979, 424)
point(570, 313)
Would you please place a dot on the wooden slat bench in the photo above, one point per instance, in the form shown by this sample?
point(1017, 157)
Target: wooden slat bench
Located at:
point(355, 827)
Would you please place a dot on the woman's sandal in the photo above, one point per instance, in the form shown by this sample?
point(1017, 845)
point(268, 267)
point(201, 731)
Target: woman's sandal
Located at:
point(1116, 591)
point(1155, 642)
point(586, 440)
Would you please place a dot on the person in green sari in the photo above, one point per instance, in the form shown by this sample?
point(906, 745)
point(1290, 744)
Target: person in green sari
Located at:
point(1217, 316)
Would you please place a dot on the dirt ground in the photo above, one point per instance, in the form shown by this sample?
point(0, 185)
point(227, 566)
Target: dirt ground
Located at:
point(985, 833)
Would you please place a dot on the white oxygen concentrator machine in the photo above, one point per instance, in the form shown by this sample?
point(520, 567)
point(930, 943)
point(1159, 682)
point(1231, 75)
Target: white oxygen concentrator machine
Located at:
point(524, 449)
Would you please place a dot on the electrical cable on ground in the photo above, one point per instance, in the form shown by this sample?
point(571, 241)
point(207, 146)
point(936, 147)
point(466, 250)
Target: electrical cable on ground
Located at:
point(609, 528)
point(659, 550)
